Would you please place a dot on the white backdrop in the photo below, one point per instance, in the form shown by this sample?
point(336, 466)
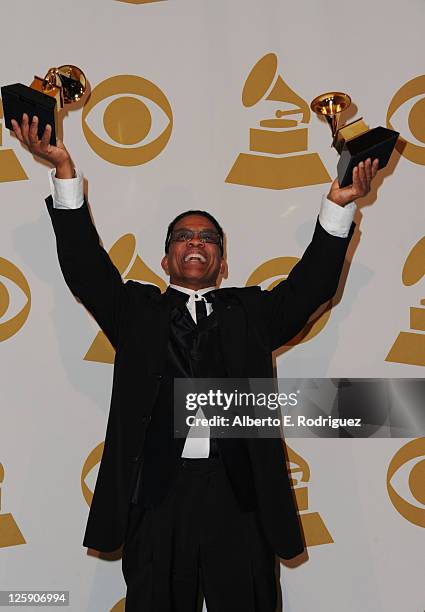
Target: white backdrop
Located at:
point(199, 54)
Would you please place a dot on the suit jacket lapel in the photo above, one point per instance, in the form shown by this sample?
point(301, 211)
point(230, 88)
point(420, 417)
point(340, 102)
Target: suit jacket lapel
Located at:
point(158, 329)
point(232, 329)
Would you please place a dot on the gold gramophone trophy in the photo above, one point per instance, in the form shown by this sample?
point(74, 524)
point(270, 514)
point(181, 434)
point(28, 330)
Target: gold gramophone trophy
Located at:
point(355, 142)
point(44, 97)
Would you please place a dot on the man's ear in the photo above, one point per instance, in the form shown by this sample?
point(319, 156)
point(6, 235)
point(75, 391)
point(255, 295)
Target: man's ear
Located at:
point(223, 266)
point(164, 265)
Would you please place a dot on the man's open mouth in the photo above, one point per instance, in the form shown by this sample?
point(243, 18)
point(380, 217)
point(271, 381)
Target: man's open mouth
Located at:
point(195, 257)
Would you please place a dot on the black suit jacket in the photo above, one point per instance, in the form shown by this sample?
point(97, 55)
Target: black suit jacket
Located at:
point(135, 317)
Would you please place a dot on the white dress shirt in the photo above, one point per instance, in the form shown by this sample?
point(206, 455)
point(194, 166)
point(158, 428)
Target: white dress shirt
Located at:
point(336, 220)
point(195, 296)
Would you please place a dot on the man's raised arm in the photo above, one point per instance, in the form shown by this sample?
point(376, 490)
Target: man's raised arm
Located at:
point(86, 266)
point(315, 278)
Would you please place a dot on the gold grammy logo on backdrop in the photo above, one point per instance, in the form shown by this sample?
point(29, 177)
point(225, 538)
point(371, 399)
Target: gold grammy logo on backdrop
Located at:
point(11, 326)
point(10, 534)
point(409, 347)
point(315, 530)
point(280, 267)
point(407, 453)
point(119, 606)
point(413, 90)
point(127, 120)
point(92, 460)
point(277, 161)
point(130, 266)
point(10, 168)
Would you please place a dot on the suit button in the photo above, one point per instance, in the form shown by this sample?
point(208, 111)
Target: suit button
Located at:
point(158, 376)
point(146, 418)
point(136, 458)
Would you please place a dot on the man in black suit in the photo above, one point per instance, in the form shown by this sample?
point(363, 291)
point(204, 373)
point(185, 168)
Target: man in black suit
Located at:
point(191, 510)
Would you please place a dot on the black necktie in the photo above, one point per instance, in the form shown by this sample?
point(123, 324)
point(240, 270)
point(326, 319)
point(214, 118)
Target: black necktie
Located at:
point(201, 313)
point(201, 310)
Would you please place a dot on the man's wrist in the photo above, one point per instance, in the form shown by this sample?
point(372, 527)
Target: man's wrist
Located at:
point(65, 170)
point(337, 201)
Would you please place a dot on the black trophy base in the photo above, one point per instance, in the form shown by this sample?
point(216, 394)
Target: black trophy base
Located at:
point(376, 143)
point(18, 99)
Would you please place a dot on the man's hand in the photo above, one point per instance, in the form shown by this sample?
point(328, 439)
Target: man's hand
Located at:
point(58, 156)
point(362, 177)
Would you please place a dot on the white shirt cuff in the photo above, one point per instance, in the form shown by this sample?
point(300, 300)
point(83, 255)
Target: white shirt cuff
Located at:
point(67, 193)
point(335, 219)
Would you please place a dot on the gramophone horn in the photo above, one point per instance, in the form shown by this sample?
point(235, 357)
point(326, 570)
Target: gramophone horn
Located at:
point(70, 79)
point(330, 105)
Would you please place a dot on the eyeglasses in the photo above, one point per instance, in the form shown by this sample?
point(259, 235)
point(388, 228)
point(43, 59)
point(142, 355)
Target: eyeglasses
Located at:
point(185, 235)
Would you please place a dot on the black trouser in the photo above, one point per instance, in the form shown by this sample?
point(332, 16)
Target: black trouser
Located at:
point(198, 535)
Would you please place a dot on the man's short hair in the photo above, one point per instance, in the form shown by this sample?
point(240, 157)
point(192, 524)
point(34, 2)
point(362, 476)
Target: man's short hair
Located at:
point(202, 213)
